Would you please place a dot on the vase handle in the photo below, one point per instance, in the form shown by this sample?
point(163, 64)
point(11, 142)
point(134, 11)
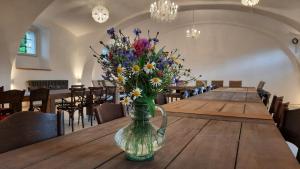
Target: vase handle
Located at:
point(163, 126)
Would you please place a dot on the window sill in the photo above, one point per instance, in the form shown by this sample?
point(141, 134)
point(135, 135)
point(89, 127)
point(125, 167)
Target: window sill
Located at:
point(42, 69)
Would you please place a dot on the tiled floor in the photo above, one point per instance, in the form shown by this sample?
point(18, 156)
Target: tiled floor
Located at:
point(77, 127)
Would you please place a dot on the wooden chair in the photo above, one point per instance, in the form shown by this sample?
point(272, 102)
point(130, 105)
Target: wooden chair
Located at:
point(277, 105)
point(201, 83)
point(235, 83)
point(290, 128)
point(25, 128)
point(110, 111)
point(161, 99)
point(110, 93)
point(39, 95)
point(14, 98)
point(260, 85)
point(77, 86)
point(273, 105)
point(76, 104)
point(93, 101)
point(97, 83)
point(217, 83)
point(266, 97)
point(281, 113)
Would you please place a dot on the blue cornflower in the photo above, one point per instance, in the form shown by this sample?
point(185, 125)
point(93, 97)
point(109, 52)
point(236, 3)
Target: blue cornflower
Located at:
point(137, 31)
point(155, 40)
point(111, 31)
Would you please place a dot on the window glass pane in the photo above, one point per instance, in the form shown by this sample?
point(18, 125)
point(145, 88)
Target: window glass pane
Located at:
point(28, 43)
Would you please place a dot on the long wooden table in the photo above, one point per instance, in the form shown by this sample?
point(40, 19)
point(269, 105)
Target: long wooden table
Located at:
point(236, 104)
point(191, 142)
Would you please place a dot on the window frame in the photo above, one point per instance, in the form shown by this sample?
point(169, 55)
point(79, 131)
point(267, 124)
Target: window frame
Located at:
point(37, 40)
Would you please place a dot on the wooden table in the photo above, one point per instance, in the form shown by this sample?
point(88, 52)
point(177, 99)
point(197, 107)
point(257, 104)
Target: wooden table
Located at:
point(191, 143)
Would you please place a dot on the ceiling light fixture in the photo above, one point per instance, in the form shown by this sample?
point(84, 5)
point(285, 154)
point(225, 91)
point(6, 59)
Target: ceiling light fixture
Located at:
point(250, 3)
point(163, 10)
point(193, 32)
point(100, 14)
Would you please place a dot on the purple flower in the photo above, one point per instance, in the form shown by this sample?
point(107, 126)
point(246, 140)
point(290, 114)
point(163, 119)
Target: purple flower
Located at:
point(111, 32)
point(137, 31)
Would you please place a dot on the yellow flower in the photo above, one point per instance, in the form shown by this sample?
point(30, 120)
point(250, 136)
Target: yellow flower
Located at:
point(120, 69)
point(126, 101)
point(155, 81)
point(137, 92)
point(149, 67)
point(136, 69)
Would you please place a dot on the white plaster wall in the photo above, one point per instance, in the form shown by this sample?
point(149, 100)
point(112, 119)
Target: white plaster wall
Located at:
point(16, 16)
point(59, 53)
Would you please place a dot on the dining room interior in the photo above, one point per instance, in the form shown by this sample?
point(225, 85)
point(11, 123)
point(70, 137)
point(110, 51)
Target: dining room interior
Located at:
point(185, 84)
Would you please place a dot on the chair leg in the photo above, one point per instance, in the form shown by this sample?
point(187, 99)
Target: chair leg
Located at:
point(82, 118)
point(78, 116)
point(72, 120)
point(91, 118)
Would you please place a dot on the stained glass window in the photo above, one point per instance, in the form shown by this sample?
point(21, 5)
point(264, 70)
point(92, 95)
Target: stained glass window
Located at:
point(28, 44)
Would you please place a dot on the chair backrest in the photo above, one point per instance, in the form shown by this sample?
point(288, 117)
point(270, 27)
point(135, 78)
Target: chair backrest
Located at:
point(77, 86)
point(14, 98)
point(25, 128)
point(290, 128)
point(272, 106)
point(110, 92)
point(217, 83)
point(265, 97)
point(97, 83)
point(41, 94)
point(201, 83)
point(261, 85)
point(110, 111)
point(96, 94)
point(281, 114)
point(77, 96)
point(161, 99)
point(277, 105)
point(107, 83)
point(235, 83)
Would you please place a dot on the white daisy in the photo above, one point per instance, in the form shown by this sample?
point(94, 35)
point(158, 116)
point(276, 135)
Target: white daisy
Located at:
point(126, 101)
point(120, 69)
point(137, 92)
point(121, 79)
point(149, 67)
point(156, 81)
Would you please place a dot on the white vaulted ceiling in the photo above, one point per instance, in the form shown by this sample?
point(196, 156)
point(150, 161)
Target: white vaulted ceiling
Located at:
point(75, 15)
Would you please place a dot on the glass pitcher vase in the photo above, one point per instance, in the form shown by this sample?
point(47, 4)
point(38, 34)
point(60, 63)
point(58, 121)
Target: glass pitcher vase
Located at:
point(140, 139)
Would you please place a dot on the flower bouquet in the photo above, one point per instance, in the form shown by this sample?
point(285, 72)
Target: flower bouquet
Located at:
point(143, 71)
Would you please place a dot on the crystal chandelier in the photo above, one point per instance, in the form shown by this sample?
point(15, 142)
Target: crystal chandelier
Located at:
point(193, 32)
point(163, 10)
point(100, 14)
point(250, 3)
